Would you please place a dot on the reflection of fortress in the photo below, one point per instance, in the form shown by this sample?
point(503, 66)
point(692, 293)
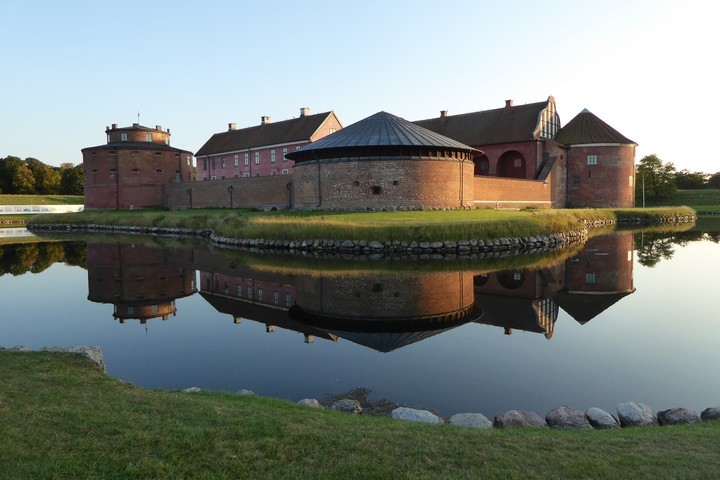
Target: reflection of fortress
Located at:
point(380, 310)
point(137, 279)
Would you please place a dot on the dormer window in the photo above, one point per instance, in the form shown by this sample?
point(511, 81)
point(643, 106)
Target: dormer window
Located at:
point(148, 137)
point(123, 137)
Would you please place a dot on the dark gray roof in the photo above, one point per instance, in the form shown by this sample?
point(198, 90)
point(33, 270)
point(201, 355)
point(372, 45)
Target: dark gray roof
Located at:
point(489, 127)
point(381, 130)
point(288, 131)
point(587, 128)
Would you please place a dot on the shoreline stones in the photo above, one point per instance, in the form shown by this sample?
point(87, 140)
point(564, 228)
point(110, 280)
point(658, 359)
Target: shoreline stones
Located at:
point(678, 416)
point(601, 419)
point(567, 418)
point(415, 415)
point(633, 414)
point(518, 419)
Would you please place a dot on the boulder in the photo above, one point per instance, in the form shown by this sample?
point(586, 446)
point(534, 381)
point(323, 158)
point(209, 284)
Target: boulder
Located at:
point(601, 419)
point(413, 415)
point(346, 405)
point(310, 402)
point(472, 420)
point(678, 416)
point(518, 419)
point(712, 413)
point(246, 393)
point(92, 352)
point(633, 414)
point(192, 390)
point(567, 418)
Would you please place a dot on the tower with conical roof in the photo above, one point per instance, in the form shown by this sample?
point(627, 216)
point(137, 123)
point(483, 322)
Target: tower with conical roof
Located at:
point(600, 163)
point(383, 163)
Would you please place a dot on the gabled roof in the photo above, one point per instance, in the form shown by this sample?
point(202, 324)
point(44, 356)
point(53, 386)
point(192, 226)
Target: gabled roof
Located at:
point(381, 130)
point(583, 307)
point(586, 128)
point(501, 125)
point(288, 131)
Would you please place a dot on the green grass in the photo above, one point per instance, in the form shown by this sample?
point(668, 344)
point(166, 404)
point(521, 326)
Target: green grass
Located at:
point(707, 200)
point(62, 417)
point(387, 226)
point(6, 199)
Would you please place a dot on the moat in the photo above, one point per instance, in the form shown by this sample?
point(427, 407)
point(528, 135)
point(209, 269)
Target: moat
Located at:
point(626, 318)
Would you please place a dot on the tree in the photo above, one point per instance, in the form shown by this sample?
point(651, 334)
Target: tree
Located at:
point(688, 180)
point(714, 180)
point(71, 181)
point(659, 177)
point(47, 179)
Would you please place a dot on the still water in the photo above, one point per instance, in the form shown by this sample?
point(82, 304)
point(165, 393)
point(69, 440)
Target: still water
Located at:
point(630, 317)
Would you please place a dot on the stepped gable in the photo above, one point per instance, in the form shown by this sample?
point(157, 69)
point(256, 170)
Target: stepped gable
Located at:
point(509, 124)
point(587, 128)
point(379, 130)
point(272, 133)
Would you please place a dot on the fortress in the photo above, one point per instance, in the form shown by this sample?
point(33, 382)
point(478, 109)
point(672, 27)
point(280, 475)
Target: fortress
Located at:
point(510, 157)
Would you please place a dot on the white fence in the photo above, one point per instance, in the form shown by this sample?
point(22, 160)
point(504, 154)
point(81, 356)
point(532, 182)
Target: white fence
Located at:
point(32, 209)
point(14, 232)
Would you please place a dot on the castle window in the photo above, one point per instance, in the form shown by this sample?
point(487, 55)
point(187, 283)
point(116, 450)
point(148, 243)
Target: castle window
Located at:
point(518, 162)
point(246, 174)
point(237, 160)
point(257, 158)
point(158, 154)
point(94, 170)
point(285, 150)
point(257, 174)
point(136, 171)
point(167, 141)
point(396, 182)
point(204, 163)
point(376, 190)
point(576, 181)
point(177, 155)
point(630, 181)
point(276, 297)
point(260, 295)
point(249, 293)
point(113, 153)
point(222, 162)
point(94, 154)
point(287, 299)
point(239, 291)
point(188, 160)
point(272, 173)
point(113, 171)
point(285, 171)
point(158, 170)
point(123, 137)
point(590, 278)
point(247, 159)
point(592, 160)
point(272, 156)
point(148, 137)
point(108, 138)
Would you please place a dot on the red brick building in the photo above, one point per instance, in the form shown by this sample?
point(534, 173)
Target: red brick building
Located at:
point(260, 150)
point(131, 170)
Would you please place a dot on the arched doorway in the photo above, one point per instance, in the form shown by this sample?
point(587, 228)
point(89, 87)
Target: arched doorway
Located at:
point(482, 165)
point(511, 164)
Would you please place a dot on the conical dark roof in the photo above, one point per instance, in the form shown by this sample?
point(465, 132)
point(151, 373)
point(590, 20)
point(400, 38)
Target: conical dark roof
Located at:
point(584, 307)
point(380, 130)
point(587, 128)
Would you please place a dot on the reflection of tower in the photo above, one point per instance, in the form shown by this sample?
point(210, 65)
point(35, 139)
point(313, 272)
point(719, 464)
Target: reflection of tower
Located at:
point(385, 310)
point(598, 277)
point(137, 280)
point(519, 299)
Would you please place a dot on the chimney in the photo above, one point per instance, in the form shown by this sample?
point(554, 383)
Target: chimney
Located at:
point(264, 120)
point(158, 128)
point(304, 112)
point(136, 125)
point(232, 126)
point(443, 113)
point(114, 126)
point(508, 103)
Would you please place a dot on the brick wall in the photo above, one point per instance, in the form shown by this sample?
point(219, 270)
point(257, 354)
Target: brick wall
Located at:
point(609, 183)
point(380, 183)
point(498, 192)
point(253, 192)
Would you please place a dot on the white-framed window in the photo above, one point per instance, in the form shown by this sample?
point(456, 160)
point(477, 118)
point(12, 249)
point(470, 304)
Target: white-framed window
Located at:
point(239, 291)
point(260, 295)
point(249, 293)
point(287, 300)
point(246, 174)
point(272, 156)
point(631, 180)
point(237, 159)
point(205, 164)
point(590, 278)
point(257, 158)
point(189, 162)
point(123, 137)
point(517, 276)
point(257, 174)
point(285, 171)
point(148, 137)
point(276, 297)
point(592, 159)
point(108, 138)
point(247, 159)
point(222, 162)
point(272, 173)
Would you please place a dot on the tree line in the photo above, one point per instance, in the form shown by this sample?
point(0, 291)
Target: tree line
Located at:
point(33, 177)
point(660, 179)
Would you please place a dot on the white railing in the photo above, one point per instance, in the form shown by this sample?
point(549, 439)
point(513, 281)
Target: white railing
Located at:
point(14, 232)
point(34, 209)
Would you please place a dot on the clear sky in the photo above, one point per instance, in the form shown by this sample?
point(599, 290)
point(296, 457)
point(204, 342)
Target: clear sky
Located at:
point(69, 69)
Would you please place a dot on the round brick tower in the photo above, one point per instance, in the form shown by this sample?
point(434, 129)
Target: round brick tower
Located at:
point(383, 163)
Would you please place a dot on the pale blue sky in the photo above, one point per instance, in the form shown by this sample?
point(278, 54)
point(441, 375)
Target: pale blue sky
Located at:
point(68, 69)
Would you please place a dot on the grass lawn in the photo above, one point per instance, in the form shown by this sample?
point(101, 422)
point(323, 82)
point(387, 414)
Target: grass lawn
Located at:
point(62, 417)
point(706, 200)
point(385, 226)
point(6, 199)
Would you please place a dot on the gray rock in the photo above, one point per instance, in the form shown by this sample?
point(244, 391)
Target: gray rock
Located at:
point(247, 393)
point(375, 245)
point(601, 419)
point(712, 413)
point(414, 415)
point(16, 348)
point(678, 416)
point(309, 402)
point(567, 418)
point(92, 352)
point(518, 419)
point(346, 405)
point(633, 414)
point(192, 390)
point(472, 420)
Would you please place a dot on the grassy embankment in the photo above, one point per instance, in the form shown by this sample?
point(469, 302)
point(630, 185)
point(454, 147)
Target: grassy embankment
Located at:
point(429, 225)
point(702, 201)
point(62, 417)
